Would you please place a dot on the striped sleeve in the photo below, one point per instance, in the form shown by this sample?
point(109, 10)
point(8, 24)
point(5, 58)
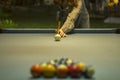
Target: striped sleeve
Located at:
point(71, 18)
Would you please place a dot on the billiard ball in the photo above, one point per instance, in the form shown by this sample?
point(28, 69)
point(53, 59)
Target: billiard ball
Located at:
point(49, 71)
point(36, 70)
point(82, 66)
point(44, 64)
point(74, 71)
point(61, 61)
point(51, 62)
point(56, 65)
point(62, 71)
point(69, 61)
point(57, 37)
point(89, 72)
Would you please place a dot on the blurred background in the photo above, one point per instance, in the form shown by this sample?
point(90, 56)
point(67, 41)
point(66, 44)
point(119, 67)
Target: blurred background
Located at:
point(42, 13)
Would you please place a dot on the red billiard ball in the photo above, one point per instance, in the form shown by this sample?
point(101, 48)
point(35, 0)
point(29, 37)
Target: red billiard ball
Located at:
point(74, 71)
point(36, 70)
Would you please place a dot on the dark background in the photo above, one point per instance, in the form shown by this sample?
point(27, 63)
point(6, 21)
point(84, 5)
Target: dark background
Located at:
point(42, 14)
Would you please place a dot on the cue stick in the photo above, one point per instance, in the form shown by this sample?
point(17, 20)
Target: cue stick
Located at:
point(59, 25)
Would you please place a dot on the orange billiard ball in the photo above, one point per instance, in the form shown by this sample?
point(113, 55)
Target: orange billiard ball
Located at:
point(62, 71)
point(36, 70)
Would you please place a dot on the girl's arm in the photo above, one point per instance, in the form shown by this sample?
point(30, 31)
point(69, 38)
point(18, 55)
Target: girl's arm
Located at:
point(71, 18)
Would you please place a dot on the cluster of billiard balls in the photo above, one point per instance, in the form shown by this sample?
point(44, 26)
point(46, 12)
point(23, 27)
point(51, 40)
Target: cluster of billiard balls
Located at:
point(62, 68)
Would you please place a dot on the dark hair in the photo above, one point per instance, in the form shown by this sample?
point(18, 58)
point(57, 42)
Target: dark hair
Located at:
point(55, 1)
point(58, 1)
point(73, 2)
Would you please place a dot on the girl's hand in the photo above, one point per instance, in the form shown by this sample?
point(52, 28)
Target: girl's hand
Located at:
point(62, 34)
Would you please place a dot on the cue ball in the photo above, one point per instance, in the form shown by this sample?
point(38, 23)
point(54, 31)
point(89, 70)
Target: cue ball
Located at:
point(57, 37)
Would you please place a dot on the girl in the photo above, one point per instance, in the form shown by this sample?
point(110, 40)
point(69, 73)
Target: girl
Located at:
point(72, 13)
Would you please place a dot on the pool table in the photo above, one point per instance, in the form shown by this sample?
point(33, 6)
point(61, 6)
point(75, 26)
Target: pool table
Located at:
point(21, 48)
